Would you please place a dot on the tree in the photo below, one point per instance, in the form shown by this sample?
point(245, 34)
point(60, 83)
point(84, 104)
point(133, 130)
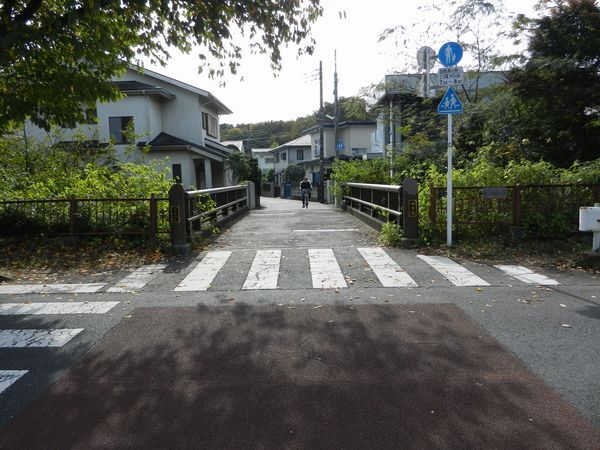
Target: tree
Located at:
point(57, 55)
point(559, 86)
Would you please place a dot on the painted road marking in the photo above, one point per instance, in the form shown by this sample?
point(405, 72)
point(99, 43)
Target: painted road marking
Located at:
point(264, 271)
point(8, 377)
point(14, 309)
point(526, 275)
point(139, 278)
point(37, 338)
point(326, 231)
point(324, 269)
point(390, 274)
point(83, 288)
point(453, 272)
point(200, 278)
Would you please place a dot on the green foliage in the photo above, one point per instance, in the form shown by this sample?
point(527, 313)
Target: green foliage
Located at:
point(559, 86)
point(374, 171)
point(60, 54)
point(293, 174)
point(274, 133)
point(391, 234)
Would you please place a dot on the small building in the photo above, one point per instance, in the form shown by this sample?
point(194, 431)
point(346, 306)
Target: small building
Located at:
point(171, 118)
point(264, 158)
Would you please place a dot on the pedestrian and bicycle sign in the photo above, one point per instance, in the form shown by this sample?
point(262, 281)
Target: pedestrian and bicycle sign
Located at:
point(339, 145)
point(450, 54)
point(450, 103)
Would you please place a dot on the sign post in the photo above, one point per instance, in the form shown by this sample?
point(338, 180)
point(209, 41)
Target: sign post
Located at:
point(450, 54)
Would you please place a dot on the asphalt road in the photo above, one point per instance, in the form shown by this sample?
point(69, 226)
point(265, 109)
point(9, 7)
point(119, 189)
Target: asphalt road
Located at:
point(436, 366)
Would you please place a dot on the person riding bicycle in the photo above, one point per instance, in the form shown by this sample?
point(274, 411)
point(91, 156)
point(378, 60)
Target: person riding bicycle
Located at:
point(305, 188)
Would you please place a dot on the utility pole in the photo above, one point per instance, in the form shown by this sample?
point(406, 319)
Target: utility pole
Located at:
point(320, 190)
point(335, 106)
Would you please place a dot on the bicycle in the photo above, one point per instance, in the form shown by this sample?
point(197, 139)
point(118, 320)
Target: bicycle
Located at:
point(305, 197)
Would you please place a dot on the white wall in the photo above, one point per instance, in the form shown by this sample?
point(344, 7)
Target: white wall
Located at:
point(188, 171)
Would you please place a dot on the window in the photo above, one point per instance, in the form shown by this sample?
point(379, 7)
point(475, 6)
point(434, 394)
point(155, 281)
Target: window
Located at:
point(316, 150)
point(176, 168)
point(299, 155)
point(119, 127)
point(269, 160)
point(276, 157)
point(283, 156)
point(209, 124)
point(359, 151)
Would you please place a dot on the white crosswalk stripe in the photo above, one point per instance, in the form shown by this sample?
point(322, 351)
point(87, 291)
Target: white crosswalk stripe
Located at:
point(201, 277)
point(264, 271)
point(13, 309)
point(526, 275)
point(136, 280)
point(55, 288)
point(37, 337)
point(453, 272)
point(324, 269)
point(390, 274)
point(8, 377)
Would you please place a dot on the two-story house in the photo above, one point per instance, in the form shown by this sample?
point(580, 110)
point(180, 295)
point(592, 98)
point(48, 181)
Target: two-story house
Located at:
point(173, 119)
point(293, 152)
point(355, 140)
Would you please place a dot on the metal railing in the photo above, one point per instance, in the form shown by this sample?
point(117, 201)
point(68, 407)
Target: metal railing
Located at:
point(85, 216)
point(190, 212)
point(382, 203)
point(496, 208)
point(227, 201)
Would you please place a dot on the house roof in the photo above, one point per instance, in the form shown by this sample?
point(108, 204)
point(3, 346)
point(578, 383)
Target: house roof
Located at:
point(262, 150)
point(209, 98)
point(237, 144)
point(167, 141)
point(302, 141)
point(347, 123)
point(132, 87)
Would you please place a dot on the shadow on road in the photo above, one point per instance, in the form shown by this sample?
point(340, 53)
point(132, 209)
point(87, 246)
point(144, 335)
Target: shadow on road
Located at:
point(240, 376)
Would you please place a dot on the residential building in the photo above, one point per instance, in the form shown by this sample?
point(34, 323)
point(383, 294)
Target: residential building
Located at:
point(355, 140)
point(293, 152)
point(171, 118)
point(264, 158)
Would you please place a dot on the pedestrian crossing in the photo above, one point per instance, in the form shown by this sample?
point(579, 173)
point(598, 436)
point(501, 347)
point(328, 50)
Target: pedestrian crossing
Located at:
point(12, 339)
point(325, 268)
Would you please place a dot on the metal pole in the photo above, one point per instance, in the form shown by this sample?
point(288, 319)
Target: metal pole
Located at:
point(449, 185)
point(335, 107)
point(391, 136)
point(320, 190)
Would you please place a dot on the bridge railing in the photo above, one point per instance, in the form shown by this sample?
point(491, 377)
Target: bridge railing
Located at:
point(380, 203)
point(189, 212)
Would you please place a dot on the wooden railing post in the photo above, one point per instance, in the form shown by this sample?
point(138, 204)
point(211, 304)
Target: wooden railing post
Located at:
point(178, 221)
point(410, 208)
point(517, 206)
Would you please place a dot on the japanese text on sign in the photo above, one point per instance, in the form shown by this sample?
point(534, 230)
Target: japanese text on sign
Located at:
point(450, 76)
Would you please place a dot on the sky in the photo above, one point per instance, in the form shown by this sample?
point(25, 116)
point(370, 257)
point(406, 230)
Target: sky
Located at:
point(255, 94)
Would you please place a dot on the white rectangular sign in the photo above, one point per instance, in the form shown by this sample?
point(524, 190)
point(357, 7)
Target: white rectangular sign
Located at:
point(450, 76)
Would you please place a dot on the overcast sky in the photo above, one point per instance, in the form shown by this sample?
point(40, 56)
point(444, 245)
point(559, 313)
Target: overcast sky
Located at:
point(294, 91)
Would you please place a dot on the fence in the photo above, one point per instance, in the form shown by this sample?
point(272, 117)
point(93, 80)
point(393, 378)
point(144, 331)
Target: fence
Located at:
point(539, 209)
point(379, 203)
point(85, 217)
point(189, 214)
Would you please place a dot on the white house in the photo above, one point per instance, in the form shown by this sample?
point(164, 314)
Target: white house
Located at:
point(355, 140)
point(293, 152)
point(175, 119)
point(264, 158)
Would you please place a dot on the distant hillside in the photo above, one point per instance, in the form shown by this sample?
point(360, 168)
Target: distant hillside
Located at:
point(274, 133)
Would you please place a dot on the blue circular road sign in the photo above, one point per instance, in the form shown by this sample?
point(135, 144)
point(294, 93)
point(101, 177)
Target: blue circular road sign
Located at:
point(450, 54)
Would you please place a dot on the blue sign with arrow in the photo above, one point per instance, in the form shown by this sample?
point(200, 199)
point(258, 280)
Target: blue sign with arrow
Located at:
point(450, 54)
point(339, 145)
point(450, 103)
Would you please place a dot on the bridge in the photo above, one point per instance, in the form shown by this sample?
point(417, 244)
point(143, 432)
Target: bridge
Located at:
point(295, 328)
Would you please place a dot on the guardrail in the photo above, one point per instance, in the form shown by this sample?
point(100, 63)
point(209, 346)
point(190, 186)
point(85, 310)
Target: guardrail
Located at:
point(188, 213)
point(380, 203)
